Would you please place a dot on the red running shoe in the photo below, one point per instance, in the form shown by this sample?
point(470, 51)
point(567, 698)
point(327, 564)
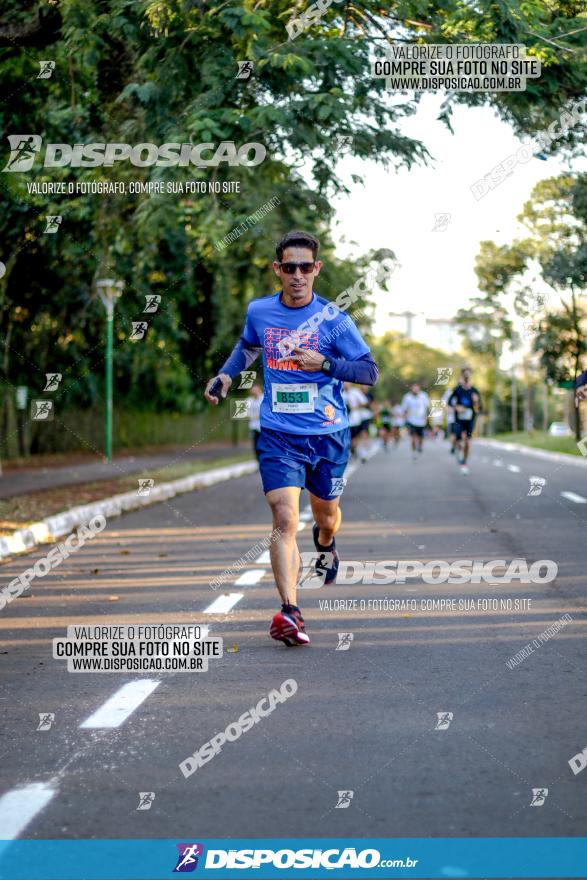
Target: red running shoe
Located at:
point(288, 627)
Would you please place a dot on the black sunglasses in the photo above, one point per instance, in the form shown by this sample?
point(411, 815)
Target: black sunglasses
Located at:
point(290, 268)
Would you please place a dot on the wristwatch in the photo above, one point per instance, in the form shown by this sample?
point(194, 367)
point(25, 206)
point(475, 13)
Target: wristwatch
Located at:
point(326, 366)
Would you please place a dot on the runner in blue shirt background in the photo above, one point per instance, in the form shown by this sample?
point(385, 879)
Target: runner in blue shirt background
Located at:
point(310, 347)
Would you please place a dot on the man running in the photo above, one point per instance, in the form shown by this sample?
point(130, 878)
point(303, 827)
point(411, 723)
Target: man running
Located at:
point(415, 405)
point(466, 401)
point(305, 439)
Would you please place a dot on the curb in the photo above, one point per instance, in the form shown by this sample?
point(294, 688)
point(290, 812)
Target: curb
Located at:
point(49, 530)
point(564, 457)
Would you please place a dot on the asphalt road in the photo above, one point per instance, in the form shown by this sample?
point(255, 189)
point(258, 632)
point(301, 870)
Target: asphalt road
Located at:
point(363, 719)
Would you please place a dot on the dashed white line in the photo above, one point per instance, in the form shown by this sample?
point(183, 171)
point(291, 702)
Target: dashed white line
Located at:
point(306, 515)
point(223, 604)
point(264, 558)
point(498, 462)
point(19, 806)
point(514, 468)
point(248, 578)
point(121, 704)
point(302, 526)
point(572, 496)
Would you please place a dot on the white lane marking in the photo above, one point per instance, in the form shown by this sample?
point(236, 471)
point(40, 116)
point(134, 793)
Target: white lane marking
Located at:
point(19, 806)
point(302, 526)
point(306, 515)
point(223, 604)
point(498, 462)
point(248, 578)
point(121, 704)
point(484, 459)
point(514, 468)
point(264, 558)
point(572, 496)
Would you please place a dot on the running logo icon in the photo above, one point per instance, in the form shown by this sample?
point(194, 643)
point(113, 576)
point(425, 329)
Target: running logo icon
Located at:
point(46, 720)
point(537, 484)
point(42, 410)
point(139, 328)
point(539, 795)
point(344, 800)
point(246, 379)
point(344, 641)
point(443, 375)
point(152, 301)
point(314, 568)
point(53, 222)
point(146, 799)
point(444, 719)
point(187, 860)
point(46, 69)
point(52, 381)
point(23, 150)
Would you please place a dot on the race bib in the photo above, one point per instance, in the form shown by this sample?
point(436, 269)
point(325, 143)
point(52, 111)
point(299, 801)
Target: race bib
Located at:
point(296, 397)
point(466, 414)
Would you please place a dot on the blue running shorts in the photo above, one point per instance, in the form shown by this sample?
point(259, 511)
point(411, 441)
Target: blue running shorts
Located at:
point(316, 463)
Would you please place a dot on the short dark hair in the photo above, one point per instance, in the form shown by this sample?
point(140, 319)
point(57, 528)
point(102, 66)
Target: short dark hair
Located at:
point(297, 239)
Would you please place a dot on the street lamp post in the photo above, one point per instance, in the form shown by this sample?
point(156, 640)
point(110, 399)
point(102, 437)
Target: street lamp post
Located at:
point(109, 291)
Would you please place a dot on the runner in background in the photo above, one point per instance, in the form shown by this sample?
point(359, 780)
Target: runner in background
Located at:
point(357, 404)
point(384, 425)
point(415, 406)
point(466, 401)
point(397, 421)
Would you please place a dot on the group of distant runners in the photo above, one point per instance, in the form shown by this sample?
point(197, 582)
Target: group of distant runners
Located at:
point(312, 413)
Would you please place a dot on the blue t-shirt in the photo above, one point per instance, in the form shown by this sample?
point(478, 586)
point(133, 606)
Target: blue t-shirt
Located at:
point(316, 406)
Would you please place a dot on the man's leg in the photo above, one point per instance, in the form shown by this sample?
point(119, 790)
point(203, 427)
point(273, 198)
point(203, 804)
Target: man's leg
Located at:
point(328, 517)
point(466, 443)
point(284, 553)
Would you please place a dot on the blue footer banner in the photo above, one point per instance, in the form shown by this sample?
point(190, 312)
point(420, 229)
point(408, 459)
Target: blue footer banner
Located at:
point(527, 857)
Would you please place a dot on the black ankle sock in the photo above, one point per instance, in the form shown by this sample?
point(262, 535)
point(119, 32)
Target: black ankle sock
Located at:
point(287, 606)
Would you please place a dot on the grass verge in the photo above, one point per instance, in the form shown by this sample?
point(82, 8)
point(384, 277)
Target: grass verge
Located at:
point(540, 440)
point(21, 511)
